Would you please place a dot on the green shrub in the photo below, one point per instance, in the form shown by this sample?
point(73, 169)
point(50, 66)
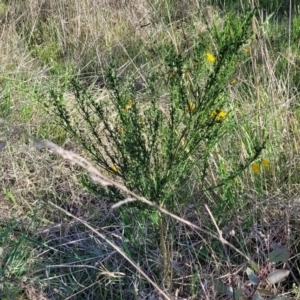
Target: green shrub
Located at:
point(150, 142)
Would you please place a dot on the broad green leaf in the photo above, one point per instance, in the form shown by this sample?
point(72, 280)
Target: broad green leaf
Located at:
point(279, 255)
point(238, 294)
point(252, 277)
point(278, 275)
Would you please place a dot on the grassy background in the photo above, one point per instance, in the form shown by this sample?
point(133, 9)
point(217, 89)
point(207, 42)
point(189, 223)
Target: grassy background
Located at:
point(44, 253)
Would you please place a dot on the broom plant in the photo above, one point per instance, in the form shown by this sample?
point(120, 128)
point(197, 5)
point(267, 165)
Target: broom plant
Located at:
point(153, 142)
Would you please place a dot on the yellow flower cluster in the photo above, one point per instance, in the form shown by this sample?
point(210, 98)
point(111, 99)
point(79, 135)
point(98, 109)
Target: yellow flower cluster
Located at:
point(218, 115)
point(255, 167)
point(265, 163)
point(114, 168)
point(191, 106)
point(210, 57)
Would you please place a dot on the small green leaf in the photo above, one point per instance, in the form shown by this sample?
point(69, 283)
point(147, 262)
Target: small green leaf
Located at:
point(254, 266)
point(252, 277)
point(10, 195)
point(279, 255)
point(278, 275)
point(220, 286)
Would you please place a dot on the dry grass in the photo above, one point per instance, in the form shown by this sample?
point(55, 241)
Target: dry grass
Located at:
point(80, 248)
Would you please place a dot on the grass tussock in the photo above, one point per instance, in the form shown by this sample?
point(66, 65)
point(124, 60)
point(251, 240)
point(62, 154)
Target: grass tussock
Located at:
point(173, 166)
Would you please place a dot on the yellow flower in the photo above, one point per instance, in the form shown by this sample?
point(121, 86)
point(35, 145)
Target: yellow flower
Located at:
point(186, 74)
point(246, 49)
point(265, 163)
point(122, 130)
point(210, 57)
point(218, 115)
point(114, 168)
point(171, 75)
point(191, 106)
point(233, 81)
point(221, 115)
point(255, 168)
point(129, 104)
